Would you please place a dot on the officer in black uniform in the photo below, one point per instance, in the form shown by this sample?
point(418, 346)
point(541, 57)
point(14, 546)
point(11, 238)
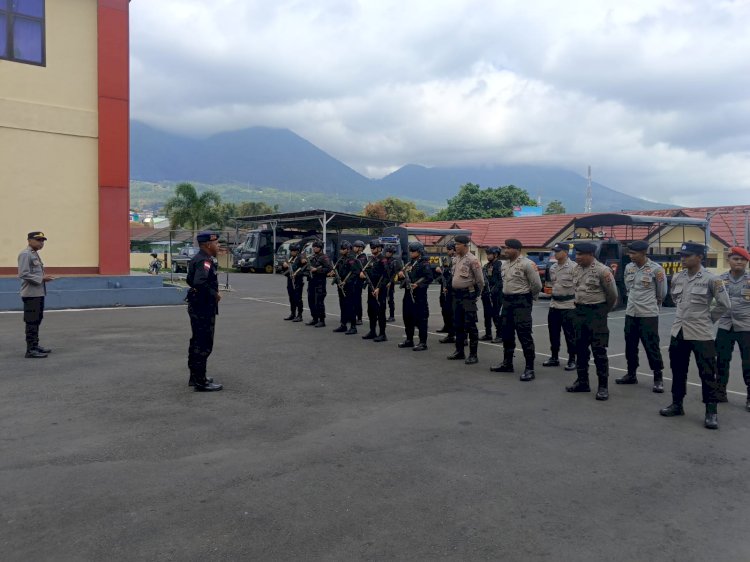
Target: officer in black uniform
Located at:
point(492, 295)
point(295, 283)
point(345, 273)
point(318, 265)
point(203, 306)
point(359, 253)
point(446, 294)
point(415, 277)
point(396, 265)
point(376, 273)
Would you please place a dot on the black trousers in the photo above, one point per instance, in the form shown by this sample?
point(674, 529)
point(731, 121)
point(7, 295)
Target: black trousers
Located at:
point(295, 295)
point(376, 309)
point(391, 299)
point(33, 314)
point(316, 298)
point(725, 340)
point(416, 311)
point(202, 323)
point(357, 298)
point(465, 318)
point(562, 319)
point(592, 337)
point(679, 361)
point(643, 329)
point(516, 319)
point(491, 305)
point(446, 309)
point(348, 302)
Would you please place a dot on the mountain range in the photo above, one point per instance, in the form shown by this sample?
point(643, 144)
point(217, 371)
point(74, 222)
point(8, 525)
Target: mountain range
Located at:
point(281, 159)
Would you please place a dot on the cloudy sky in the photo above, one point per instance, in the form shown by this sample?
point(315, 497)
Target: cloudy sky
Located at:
point(654, 94)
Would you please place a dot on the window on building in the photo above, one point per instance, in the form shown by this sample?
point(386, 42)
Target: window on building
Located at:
point(22, 31)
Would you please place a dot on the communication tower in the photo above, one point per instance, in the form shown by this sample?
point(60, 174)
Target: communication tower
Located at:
point(587, 205)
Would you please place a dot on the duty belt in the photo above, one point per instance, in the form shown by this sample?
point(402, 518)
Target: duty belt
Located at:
point(563, 297)
point(470, 292)
point(518, 296)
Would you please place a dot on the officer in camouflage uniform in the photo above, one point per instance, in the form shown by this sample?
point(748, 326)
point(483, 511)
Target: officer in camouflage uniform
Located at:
point(318, 265)
point(376, 275)
point(561, 315)
point(492, 295)
point(33, 290)
point(595, 296)
point(694, 290)
point(295, 283)
point(203, 306)
point(446, 294)
point(359, 253)
point(467, 283)
point(345, 273)
point(734, 325)
point(646, 286)
point(415, 278)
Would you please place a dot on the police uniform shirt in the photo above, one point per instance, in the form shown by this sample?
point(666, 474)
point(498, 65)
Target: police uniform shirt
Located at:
point(563, 284)
point(521, 276)
point(646, 288)
point(693, 297)
point(31, 273)
point(467, 272)
point(595, 284)
point(202, 278)
point(738, 318)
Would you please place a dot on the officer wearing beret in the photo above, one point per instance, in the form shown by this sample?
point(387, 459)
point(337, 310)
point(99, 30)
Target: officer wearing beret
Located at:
point(318, 266)
point(33, 290)
point(521, 285)
point(646, 286)
point(595, 296)
point(203, 306)
point(295, 283)
point(734, 325)
point(467, 283)
point(492, 295)
point(694, 290)
point(561, 315)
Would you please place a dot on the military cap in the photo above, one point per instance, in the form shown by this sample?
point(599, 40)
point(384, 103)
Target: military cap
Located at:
point(451, 245)
point(375, 243)
point(586, 248)
point(37, 235)
point(317, 244)
point(294, 247)
point(206, 236)
point(358, 244)
point(416, 247)
point(390, 248)
point(738, 251)
point(346, 245)
point(513, 244)
point(462, 239)
point(692, 248)
point(638, 246)
point(560, 247)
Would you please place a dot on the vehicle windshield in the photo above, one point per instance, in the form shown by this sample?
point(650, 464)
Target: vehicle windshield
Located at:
point(251, 243)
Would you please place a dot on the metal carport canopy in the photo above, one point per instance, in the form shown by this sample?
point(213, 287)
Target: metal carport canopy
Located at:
point(619, 219)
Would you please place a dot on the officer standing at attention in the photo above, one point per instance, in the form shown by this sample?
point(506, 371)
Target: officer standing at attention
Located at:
point(396, 266)
point(492, 296)
point(561, 313)
point(694, 289)
point(467, 283)
point(521, 285)
point(375, 277)
point(318, 266)
point(595, 296)
point(646, 286)
point(345, 273)
point(734, 325)
point(446, 294)
point(33, 290)
point(203, 306)
point(295, 283)
point(359, 253)
point(415, 278)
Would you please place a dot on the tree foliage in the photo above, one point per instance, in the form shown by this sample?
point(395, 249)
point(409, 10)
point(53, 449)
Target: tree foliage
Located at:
point(473, 202)
point(245, 209)
point(555, 207)
point(189, 210)
point(395, 209)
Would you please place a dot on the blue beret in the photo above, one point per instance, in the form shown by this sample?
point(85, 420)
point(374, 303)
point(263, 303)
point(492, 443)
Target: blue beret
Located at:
point(206, 236)
point(638, 246)
point(586, 248)
point(692, 248)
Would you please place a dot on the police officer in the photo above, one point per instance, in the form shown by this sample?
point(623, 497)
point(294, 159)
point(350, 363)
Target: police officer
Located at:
point(446, 293)
point(295, 283)
point(33, 290)
point(492, 295)
point(203, 306)
point(345, 273)
point(376, 274)
point(415, 277)
point(561, 313)
point(646, 286)
point(734, 325)
point(318, 266)
point(359, 253)
point(467, 283)
point(521, 285)
point(595, 296)
point(694, 289)
point(396, 265)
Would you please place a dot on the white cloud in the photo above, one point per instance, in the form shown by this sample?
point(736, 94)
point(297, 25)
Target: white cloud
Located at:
point(653, 94)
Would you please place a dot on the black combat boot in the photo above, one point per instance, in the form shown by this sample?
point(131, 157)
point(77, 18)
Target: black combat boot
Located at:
point(458, 354)
point(41, 349)
point(486, 337)
point(506, 366)
point(571, 366)
point(553, 361)
point(602, 393)
point(312, 322)
point(674, 409)
point(369, 335)
point(380, 338)
point(528, 373)
point(581, 384)
point(351, 331)
point(359, 322)
point(630, 378)
point(447, 339)
point(292, 316)
point(712, 416)
point(34, 353)
point(658, 382)
point(391, 318)
point(321, 324)
point(341, 329)
point(193, 378)
point(498, 339)
point(472, 358)
point(299, 318)
point(442, 330)
point(205, 386)
point(421, 346)
point(406, 343)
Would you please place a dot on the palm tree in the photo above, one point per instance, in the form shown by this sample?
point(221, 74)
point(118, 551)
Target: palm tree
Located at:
point(189, 210)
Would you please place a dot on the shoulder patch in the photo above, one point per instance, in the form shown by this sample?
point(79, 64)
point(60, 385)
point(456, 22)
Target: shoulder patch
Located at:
point(660, 275)
point(206, 264)
point(719, 285)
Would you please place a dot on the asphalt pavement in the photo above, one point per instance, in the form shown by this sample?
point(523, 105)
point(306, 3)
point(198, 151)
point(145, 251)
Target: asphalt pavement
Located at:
point(327, 447)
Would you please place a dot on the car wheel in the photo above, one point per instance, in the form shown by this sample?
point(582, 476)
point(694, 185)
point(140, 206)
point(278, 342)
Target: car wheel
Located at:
point(269, 268)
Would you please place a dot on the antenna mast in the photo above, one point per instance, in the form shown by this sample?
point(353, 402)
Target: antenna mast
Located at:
point(587, 205)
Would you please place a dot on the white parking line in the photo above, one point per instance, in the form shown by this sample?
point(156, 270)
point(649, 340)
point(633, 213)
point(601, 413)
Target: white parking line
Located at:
point(99, 309)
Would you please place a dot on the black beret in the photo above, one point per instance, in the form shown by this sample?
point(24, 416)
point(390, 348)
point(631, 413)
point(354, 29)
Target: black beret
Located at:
point(560, 247)
point(462, 239)
point(586, 248)
point(638, 246)
point(513, 244)
point(690, 248)
point(206, 236)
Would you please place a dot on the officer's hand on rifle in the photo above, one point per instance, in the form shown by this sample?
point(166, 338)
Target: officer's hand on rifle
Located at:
point(218, 297)
point(331, 274)
point(414, 286)
point(376, 292)
point(362, 275)
point(401, 275)
point(439, 270)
